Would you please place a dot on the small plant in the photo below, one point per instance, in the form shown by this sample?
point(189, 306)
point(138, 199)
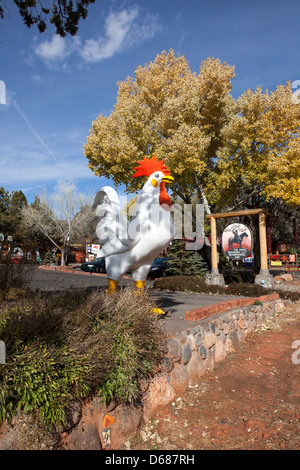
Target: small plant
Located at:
point(76, 345)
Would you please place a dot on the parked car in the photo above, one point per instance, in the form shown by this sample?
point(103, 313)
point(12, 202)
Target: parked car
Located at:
point(249, 261)
point(95, 266)
point(159, 268)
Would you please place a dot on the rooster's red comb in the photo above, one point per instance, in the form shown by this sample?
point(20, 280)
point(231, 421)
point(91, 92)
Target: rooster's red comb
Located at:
point(149, 166)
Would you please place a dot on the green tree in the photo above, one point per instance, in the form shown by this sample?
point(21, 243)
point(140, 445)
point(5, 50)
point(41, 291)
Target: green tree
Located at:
point(18, 200)
point(63, 14)
point(4, 209)
point(11, 206)
point(184, 262)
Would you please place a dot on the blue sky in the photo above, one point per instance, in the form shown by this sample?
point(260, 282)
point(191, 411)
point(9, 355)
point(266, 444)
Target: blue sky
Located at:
point(55, 87)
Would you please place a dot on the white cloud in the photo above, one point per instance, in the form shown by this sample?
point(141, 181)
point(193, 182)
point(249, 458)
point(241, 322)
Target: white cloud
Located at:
point(122, 29)
point(55, 49)
point(142, 31)
point(117, 27)
point(36, 78)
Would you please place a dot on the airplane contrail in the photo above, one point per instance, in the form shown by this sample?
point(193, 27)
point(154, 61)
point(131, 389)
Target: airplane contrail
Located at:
point(35, 133)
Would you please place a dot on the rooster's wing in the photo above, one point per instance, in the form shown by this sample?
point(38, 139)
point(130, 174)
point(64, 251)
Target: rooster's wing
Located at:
point(111, 230)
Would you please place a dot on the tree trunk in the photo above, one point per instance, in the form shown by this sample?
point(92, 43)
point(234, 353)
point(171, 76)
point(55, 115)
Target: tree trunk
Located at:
point(256, 246)
point(269, 233)
point(295, 234)
point(62, 261)
point(203, 196)
point(205, 204)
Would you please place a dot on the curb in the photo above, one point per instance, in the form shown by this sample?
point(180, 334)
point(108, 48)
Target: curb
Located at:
point(210, 310)
point(69, 270)
point(72, 271)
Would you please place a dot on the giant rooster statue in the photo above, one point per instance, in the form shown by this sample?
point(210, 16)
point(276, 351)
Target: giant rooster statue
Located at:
point(134, 246)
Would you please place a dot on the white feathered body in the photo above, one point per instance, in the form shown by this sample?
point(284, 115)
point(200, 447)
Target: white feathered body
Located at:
point(132, 247)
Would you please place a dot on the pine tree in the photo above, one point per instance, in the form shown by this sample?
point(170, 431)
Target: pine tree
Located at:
point(48, 258)
point(185, 262)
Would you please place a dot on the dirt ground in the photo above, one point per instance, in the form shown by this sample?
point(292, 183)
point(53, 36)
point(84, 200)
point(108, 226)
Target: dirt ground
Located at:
point(250, 401)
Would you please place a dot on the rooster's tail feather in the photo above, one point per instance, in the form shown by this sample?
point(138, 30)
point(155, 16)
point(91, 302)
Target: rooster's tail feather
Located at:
point(111, 224)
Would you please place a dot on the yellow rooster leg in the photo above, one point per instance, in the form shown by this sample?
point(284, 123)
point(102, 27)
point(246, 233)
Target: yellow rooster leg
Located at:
point(140, 285)
point(158, 311)
point(112, 285)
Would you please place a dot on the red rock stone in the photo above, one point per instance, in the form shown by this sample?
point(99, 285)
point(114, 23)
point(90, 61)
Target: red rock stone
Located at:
point(159, 395)
point(195, 369)
point(219, 307)
point(179, 379)
point(126, 420)
point(220, 352)
point(209, 340)
point(84, 437)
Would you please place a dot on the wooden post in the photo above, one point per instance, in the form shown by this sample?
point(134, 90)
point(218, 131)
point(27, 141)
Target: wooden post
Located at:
point(214, 251)
point(214, 278)
point(263, 241)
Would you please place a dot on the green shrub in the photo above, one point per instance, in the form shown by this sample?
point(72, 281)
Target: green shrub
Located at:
point(186, 283)
point(242, 276)
point(194, 284)
point(76, 345)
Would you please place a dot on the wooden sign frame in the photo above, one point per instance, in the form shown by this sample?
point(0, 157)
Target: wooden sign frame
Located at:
point(262, 236)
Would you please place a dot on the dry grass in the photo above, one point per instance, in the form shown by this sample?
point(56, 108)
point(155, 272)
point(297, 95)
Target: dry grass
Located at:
point(75, 345)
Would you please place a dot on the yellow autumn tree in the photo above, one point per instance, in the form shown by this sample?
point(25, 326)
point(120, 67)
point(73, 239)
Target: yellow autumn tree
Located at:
point(170, 111)
point(259, 161)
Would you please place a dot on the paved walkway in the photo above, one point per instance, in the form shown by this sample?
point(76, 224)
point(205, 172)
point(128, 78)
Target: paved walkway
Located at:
point(177, 303)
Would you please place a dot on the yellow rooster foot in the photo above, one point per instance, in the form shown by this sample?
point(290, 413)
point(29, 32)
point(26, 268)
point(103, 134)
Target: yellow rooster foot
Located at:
point(112, 286)
point(140, 285)
point(158, 311)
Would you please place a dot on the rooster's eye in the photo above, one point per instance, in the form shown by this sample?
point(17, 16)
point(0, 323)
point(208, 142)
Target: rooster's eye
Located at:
point(157, 175)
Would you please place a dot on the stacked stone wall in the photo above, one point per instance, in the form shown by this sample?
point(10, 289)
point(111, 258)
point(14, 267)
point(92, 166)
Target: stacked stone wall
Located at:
point(188, 356)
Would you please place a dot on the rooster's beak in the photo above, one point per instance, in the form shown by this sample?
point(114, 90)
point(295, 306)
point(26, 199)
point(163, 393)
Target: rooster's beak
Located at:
point(168, 179)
